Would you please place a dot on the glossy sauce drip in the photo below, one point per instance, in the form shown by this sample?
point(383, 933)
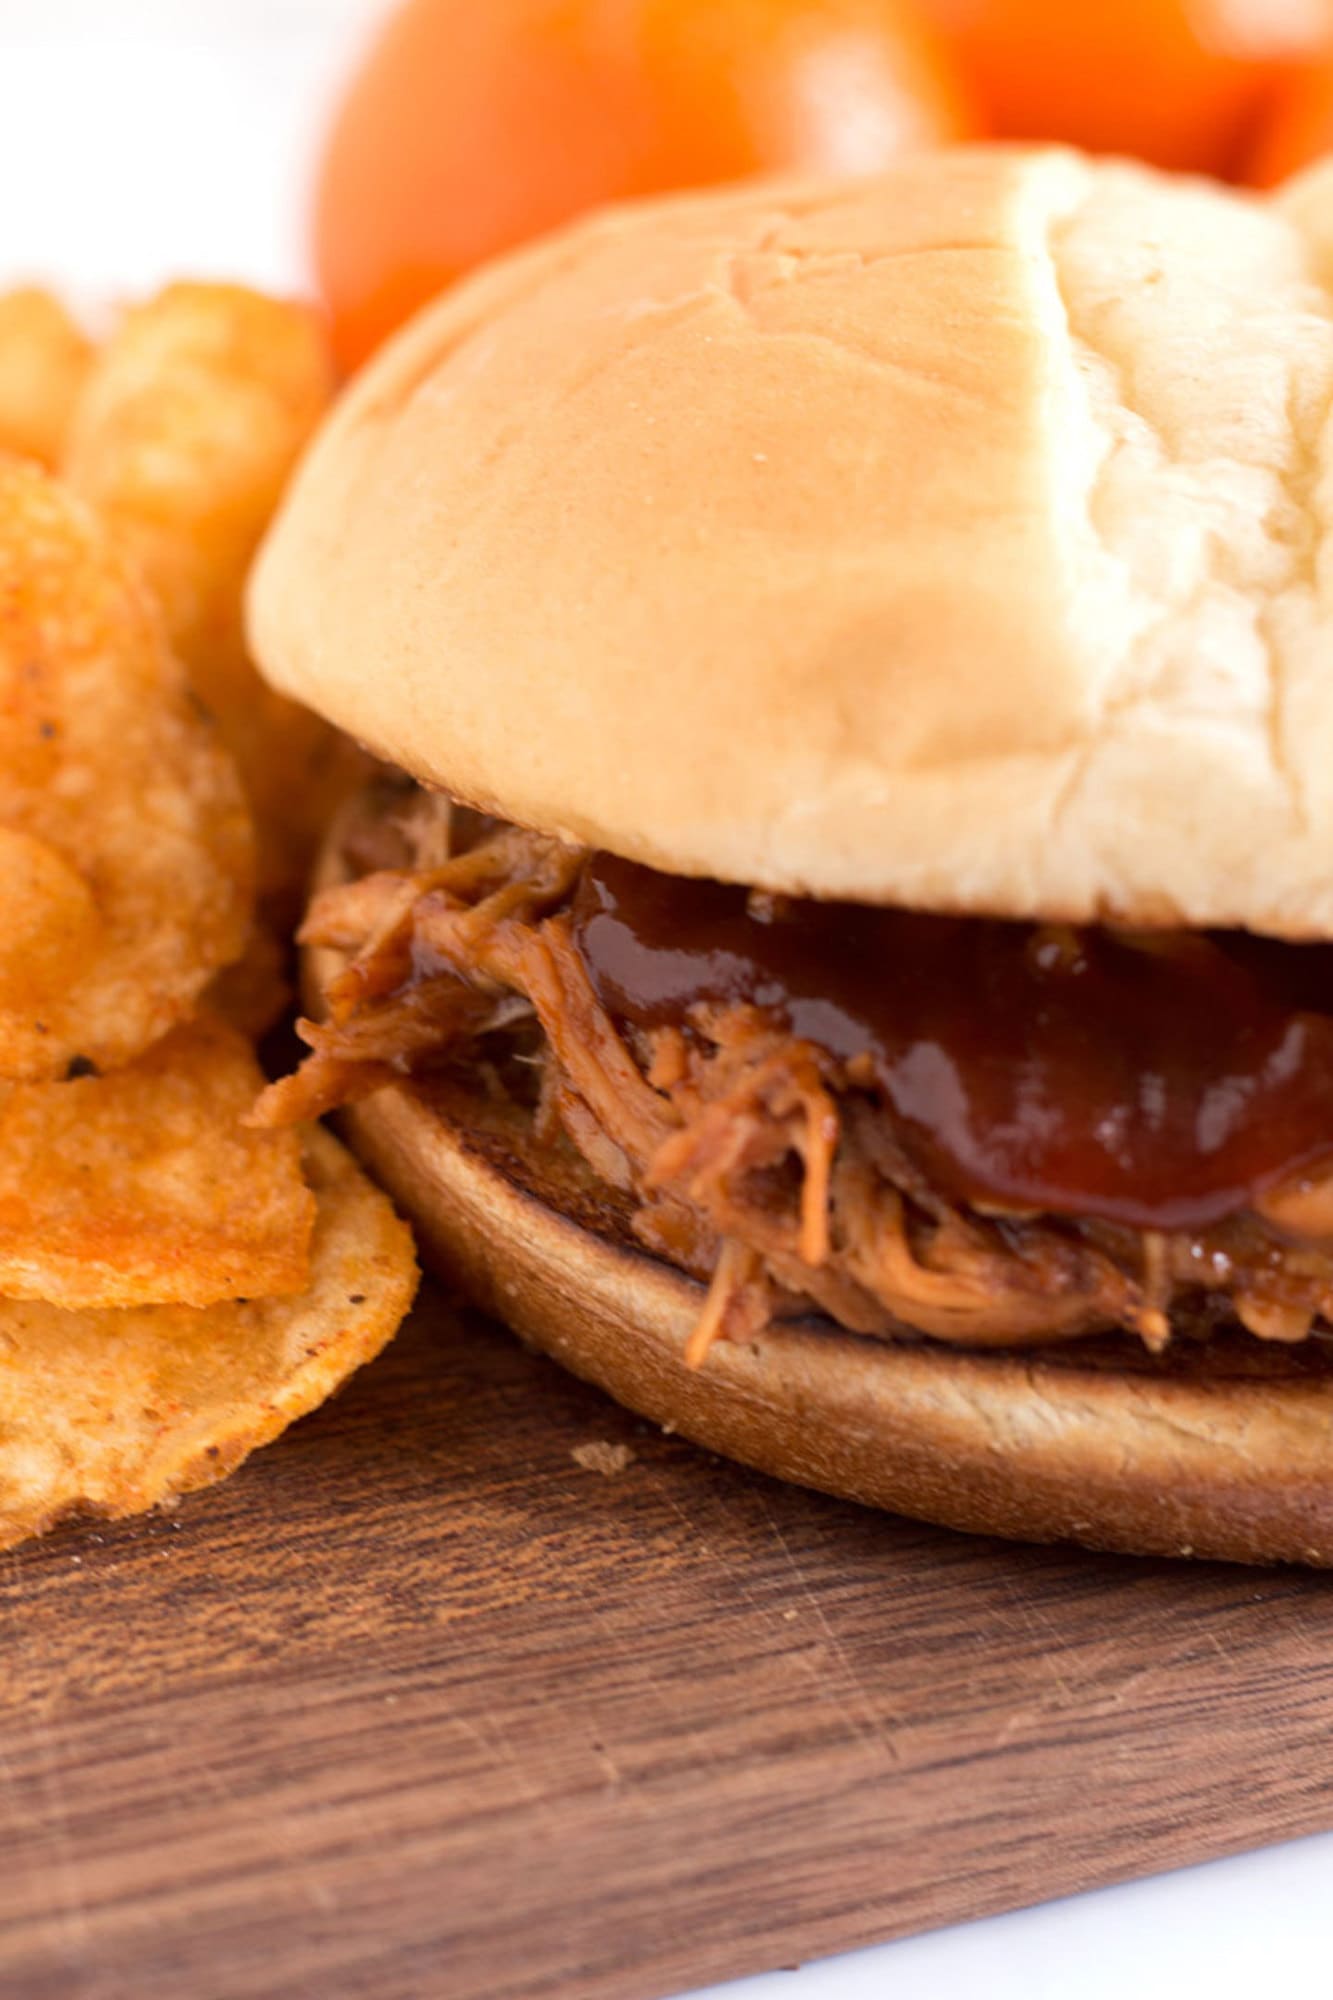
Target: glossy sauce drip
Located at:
point(1161, 1081)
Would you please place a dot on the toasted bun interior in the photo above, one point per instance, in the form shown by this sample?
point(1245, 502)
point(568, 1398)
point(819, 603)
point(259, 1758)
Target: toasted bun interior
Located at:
point(1199, 1457)
point(958, 538)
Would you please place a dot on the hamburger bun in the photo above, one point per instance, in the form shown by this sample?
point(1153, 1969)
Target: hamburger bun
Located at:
point(1096, 1445)
point(956, 539)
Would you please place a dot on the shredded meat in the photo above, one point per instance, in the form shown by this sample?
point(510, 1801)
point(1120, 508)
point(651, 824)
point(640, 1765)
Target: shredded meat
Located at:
point(752, 1159)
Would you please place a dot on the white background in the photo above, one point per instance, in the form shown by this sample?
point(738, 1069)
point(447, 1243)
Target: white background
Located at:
point(142, 139)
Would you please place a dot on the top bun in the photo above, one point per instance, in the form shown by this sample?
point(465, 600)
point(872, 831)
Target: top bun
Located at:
point(958, 538)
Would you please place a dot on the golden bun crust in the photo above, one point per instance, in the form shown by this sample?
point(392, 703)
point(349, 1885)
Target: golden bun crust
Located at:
point(1148, 1462)
point(958, 538)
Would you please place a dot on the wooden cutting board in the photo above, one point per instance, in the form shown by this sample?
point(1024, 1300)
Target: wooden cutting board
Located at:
point(418, 1705)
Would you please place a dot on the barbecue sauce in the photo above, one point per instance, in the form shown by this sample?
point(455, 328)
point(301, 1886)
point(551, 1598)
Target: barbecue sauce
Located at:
point(1162, 1081)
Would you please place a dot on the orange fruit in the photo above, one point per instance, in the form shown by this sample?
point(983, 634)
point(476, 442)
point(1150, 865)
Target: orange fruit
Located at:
point(1299, 132)
point(1184, 83)
point(475, 124)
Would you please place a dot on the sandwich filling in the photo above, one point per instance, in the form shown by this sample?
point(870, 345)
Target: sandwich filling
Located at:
point(984, 1132)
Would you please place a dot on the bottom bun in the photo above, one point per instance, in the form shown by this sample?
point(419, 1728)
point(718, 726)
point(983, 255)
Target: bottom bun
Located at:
point(1223, 1449)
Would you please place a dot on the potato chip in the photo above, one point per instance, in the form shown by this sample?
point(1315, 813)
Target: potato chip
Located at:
point(112, 1413)
point(44, 359)
point(143, 1187)
point(50, 921)
point(126, 872)
point(191, 423)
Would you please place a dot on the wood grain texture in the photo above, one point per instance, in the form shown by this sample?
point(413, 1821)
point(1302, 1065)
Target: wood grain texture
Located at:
point(417, 1705)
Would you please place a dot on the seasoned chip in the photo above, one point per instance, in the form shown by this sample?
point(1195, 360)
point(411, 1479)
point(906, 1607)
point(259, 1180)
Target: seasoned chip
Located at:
point(44, 359)
point(111, 1413)
point(50, 922)
point(143, 1188)
point(190, 425)
point(126, 876)
point(185, 436)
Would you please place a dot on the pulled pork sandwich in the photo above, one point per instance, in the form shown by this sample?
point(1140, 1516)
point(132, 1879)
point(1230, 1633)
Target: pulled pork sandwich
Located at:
point(848, 970)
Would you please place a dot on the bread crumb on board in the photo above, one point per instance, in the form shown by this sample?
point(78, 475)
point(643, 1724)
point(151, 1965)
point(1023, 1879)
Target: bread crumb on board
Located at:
point(608, 1459)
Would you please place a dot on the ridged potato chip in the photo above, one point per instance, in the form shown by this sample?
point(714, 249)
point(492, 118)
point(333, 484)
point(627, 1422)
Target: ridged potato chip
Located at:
point(143, 1187)
point(190, 425)
point(127, 864)
point(44, 360)
point(112, 1413)
point(50, 922)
